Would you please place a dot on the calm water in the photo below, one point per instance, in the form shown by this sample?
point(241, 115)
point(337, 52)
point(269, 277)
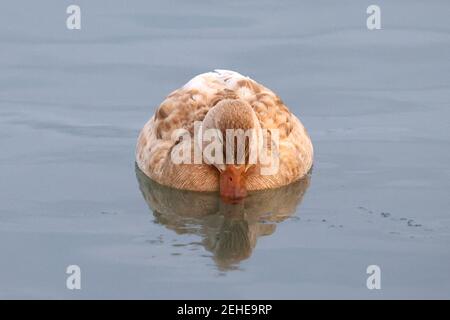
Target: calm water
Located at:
point(376, 103)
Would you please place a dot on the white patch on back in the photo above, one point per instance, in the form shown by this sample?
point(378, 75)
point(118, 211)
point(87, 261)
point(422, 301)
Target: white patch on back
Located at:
point(210, 82)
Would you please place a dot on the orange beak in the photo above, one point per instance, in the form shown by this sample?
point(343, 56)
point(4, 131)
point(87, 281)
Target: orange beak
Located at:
point(232, 184)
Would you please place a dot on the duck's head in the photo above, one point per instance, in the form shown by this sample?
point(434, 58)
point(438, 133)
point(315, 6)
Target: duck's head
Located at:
point(238, 130)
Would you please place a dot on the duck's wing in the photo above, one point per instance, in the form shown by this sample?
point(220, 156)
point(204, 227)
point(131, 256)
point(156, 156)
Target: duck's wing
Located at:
point(180, 110)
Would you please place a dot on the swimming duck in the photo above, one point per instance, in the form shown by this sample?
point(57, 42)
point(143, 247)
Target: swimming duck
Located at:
point(223, 100)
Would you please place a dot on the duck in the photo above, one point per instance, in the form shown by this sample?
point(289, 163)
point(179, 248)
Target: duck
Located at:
point(223, 100)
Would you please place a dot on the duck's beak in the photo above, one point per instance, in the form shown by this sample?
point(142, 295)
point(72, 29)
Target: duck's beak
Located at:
point(232, 184)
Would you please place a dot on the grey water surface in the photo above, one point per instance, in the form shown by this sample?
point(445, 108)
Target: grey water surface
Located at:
point(376, 104)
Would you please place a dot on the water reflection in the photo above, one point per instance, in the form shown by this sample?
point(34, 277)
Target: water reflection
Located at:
point(228, 231)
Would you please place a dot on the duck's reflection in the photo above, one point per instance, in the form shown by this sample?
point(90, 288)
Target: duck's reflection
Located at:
point(229, 231)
